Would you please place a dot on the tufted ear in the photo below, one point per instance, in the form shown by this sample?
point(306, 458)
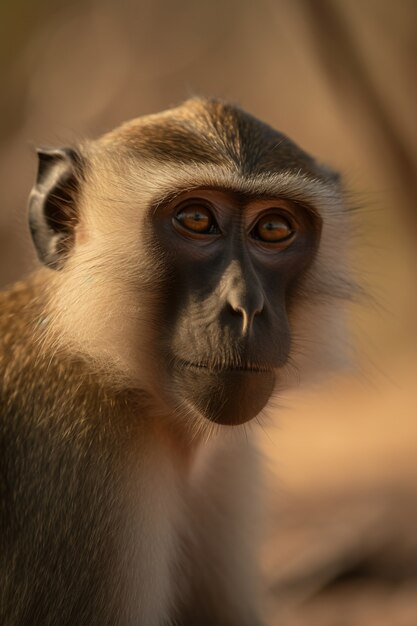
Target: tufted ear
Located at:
point(52, 204)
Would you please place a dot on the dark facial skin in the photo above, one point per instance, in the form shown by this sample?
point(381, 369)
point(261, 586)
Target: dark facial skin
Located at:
point(232, 261)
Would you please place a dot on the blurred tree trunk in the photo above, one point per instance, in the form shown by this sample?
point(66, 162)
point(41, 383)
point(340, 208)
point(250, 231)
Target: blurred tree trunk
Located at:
point(340, 58)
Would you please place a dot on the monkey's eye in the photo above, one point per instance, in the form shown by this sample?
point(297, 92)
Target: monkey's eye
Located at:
point(197, 219)
point(272, 228)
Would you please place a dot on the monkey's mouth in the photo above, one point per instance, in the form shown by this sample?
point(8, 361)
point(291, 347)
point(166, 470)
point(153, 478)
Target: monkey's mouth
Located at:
point(228, 394)
point(217, 367)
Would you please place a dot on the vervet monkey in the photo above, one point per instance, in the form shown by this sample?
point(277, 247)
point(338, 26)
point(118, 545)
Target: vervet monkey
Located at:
point(190, 257)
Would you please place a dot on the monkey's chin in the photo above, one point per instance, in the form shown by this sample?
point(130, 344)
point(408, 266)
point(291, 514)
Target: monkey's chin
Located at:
point(228, 397)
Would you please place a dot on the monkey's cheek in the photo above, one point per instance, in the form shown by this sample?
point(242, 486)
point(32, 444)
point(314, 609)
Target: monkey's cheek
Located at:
point(229, 397)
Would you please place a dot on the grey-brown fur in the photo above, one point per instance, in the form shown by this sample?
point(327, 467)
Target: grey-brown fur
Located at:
point(60, 477)
point(212, 131)
point(114, 509)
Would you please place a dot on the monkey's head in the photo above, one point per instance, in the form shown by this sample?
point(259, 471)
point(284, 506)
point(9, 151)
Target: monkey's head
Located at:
point(189, 248)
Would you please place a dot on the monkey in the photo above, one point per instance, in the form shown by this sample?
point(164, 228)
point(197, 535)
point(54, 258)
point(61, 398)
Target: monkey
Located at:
point(189, 261)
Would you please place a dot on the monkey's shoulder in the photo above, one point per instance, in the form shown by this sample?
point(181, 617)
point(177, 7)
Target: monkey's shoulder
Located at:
point(21, 308)
point(43, 384)
point(34, 379)
point(22, 315)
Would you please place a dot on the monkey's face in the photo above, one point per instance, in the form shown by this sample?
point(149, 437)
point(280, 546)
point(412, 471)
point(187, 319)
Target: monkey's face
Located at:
point(187, 245)
point(232, 261)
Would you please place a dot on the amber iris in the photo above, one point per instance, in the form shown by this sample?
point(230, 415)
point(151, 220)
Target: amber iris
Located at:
point(196, 218)
point(272, 228)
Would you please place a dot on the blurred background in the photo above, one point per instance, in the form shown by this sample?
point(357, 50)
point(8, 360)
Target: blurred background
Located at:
point(339, 77)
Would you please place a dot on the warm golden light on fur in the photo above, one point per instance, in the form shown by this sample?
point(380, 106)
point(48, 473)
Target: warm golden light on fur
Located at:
point(132, 364)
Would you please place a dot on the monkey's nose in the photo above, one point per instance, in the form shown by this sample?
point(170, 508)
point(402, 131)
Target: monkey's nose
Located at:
point(242, 293)
point(247, 306)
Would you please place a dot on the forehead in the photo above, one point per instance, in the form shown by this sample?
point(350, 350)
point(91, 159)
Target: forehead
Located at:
point(210, 132)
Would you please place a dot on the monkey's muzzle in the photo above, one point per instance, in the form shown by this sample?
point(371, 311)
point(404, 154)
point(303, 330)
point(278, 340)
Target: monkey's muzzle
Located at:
point(228, 396)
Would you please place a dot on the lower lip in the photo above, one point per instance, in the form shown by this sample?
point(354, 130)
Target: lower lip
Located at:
point(226, 396)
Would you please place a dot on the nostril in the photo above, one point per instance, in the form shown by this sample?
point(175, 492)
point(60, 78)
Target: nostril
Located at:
point(237, 310)
point(246, 314)
point(258, 310)
point(245, 300)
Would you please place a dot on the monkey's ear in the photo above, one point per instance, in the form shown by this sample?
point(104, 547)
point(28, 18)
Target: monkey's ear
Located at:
point(52, 204)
